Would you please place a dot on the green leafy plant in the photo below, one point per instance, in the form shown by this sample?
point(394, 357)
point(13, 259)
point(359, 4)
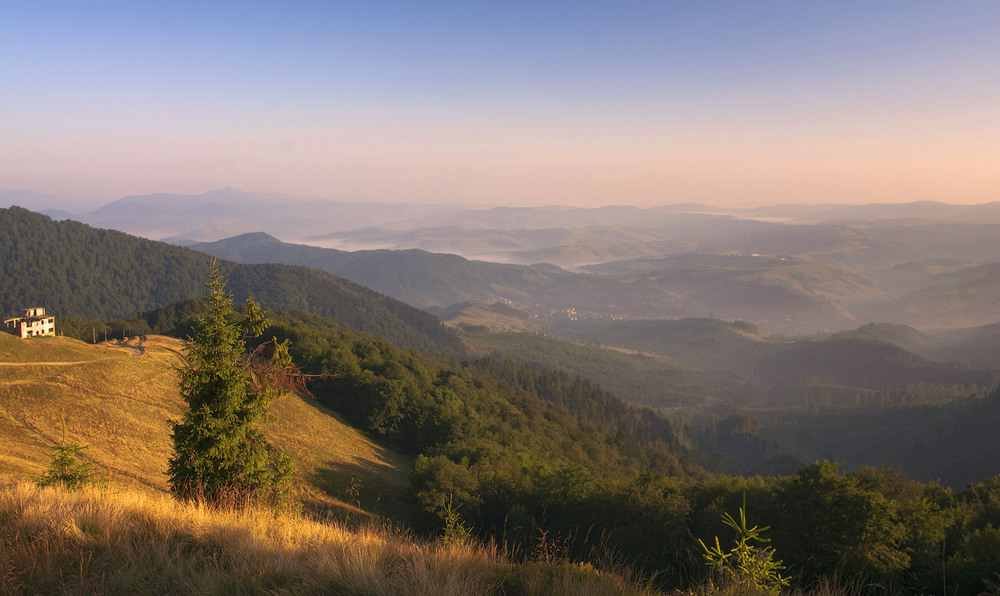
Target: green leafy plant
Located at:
point(455, 529)
point(66, 468)
point(749, 566)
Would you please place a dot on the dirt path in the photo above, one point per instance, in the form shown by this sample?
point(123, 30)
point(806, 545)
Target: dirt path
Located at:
point(55, 363)
point(134, 350)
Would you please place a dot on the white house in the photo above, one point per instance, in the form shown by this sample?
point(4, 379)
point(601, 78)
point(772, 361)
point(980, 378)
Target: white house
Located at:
point(33, 323)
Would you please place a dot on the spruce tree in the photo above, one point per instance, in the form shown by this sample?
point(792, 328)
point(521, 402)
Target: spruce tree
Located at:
point(220, 453)
point(67, 468)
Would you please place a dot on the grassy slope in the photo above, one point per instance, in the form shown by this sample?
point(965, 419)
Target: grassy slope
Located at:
point(120, 401)
point(131, 542)
point(495, 317)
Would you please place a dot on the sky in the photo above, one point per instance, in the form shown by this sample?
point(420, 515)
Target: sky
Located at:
point(514, 103)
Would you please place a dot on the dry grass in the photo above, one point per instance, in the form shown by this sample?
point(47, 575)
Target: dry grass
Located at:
point(119, 401)
point(125, 541)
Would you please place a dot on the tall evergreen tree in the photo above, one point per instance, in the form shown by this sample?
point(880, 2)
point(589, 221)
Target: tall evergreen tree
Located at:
point(220, 452)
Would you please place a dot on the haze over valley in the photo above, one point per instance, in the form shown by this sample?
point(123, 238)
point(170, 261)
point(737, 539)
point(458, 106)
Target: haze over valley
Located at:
point(822, 268)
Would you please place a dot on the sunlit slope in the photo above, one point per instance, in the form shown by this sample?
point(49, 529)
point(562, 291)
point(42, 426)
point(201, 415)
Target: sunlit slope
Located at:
point(495, 317)
point(119, 398)
point(122, 541)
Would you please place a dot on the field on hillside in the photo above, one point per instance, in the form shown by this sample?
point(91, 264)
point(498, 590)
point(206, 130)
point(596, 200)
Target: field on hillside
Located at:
point(119, 398)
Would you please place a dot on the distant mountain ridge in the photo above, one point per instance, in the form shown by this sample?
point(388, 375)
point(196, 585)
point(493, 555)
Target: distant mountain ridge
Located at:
point(688, 285)
point(226, 212)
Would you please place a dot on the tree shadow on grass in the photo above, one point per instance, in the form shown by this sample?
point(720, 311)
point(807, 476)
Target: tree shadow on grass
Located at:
point(361, 493)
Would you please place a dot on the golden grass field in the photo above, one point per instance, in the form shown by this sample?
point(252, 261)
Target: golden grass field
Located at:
point(129, 541)
point(119, 398)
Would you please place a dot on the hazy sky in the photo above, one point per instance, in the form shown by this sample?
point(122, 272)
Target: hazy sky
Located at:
point(584, 103)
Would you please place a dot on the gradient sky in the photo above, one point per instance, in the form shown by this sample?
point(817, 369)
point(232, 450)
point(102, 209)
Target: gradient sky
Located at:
point(516, 103)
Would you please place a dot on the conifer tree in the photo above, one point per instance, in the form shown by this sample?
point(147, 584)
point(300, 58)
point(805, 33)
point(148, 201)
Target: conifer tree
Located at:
point(220, 452)
point(67, 468)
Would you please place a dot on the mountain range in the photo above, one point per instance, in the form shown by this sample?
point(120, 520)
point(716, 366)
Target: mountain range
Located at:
point(791, 269)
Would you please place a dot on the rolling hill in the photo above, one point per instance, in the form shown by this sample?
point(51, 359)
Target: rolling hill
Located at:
point(861, 363)
point(793, 372)
point(75, 270)
point(709, 344)
point(782, 293)
point(640, 379)
point(978, 346)
point(426, 279)
point(960, 298)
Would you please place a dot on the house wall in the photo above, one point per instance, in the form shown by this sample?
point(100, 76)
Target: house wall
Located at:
point(38, 326)
point(32, 324)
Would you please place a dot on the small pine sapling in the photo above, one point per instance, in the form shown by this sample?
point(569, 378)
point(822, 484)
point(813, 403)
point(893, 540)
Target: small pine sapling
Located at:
point(455, 529)
point(67, 468)
point(749, 566)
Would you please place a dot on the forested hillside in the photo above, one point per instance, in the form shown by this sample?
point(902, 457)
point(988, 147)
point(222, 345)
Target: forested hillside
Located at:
point(953, 442)
point(545, 463)
point(78, 271)
point(640, 379)
point(850, 368)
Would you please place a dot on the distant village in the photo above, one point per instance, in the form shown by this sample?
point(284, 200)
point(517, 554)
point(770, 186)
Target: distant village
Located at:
point(33, 322)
